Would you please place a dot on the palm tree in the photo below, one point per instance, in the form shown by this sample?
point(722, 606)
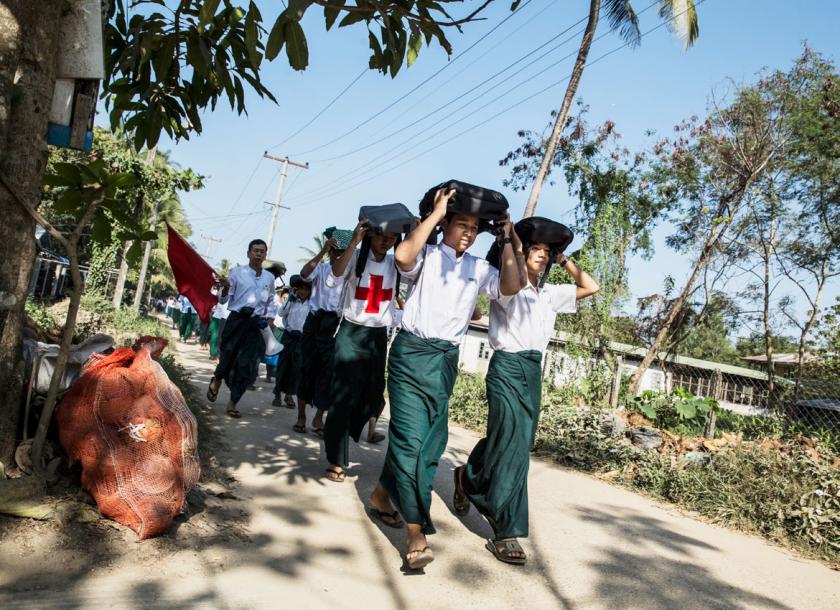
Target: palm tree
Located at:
point(310, 253)
point(682, 16)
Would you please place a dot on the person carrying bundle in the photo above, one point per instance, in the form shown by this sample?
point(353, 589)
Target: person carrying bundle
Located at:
point(495, 478)
point(318, 339)
point(249, 293)
point(293, 313)
point(370, 283)
point(423, 362)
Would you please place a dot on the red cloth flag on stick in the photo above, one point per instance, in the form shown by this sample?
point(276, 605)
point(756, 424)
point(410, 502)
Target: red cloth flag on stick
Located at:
point(193, 276)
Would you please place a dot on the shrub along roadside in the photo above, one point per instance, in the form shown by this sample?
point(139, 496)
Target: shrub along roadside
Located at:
point(785, 490)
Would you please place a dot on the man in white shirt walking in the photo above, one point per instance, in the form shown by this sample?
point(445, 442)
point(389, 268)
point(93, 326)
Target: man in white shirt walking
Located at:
point(249, 294)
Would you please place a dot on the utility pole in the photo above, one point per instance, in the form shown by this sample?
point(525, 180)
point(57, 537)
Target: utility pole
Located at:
point(147, 252)
point(276, 205)
point(209, 240)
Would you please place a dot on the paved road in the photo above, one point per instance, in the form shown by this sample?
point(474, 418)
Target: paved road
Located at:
point(593, 545)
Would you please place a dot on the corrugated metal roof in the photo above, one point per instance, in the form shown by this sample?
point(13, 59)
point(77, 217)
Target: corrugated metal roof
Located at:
point(625, 349)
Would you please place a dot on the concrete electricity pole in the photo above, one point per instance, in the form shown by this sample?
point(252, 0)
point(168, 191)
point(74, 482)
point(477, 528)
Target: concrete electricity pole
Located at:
point(210, 240)
point(276, 205)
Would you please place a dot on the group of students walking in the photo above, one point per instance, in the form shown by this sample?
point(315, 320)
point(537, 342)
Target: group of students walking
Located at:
point(336, 346)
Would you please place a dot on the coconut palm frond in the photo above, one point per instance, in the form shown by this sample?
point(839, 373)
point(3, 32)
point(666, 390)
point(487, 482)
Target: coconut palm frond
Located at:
point(623, 19)
point(309, 252)
point(682, 19)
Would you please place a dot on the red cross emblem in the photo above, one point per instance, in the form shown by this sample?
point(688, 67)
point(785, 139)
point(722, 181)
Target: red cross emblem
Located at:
point(374, 295)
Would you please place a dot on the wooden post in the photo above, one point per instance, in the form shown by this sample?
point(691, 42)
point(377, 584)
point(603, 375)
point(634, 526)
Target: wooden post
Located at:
point(711, 418)
point(616, 385)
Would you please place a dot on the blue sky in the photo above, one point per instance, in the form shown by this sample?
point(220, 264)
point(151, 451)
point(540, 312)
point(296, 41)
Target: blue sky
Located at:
point(651, 87)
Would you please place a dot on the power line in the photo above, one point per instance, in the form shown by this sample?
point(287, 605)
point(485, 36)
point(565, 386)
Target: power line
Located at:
point(493, 117)
point(472, 89)
point(324, 109)
point(537, 15)
point(376, 115)
point(404, 145)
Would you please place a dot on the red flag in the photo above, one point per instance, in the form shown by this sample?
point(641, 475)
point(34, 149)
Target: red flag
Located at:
point(193, 276)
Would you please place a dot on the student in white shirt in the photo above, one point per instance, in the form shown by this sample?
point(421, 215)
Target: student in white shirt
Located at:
point(370, 284)
point(318, 340)
point(423, 363)
point(217, 326)
point(293, 314)
point(249, 294)
point(187, 320)
point(495, 478)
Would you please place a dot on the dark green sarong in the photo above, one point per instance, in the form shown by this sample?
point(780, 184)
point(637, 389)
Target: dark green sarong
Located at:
point(317, 347)
point(421, 374)
point(214, 338)
point(496, 476)
point(185, 325)
point(288, 364)
point(242, 345)
point(358, 386)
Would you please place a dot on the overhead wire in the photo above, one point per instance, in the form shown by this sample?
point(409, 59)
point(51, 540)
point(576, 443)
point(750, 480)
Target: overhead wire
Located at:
point(324, 109)
point(472, 89)
point(494, 116)
point(447, 65)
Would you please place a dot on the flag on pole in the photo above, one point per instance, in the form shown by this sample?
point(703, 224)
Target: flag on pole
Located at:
point(193, 276)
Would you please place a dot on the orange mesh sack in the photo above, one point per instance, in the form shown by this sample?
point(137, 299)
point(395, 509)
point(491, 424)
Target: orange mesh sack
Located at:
point(131, 430)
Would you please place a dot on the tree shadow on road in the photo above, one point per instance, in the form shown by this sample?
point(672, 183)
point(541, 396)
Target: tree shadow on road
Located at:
point(640, 569)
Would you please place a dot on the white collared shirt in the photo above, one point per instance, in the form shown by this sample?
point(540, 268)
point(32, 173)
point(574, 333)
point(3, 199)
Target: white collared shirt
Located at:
point(247, 289)
point(326, 291)
point(220, 311)
point(186, 306)
point(369, 300)
point(294, 314)
point(442, 300)
point(525, 320)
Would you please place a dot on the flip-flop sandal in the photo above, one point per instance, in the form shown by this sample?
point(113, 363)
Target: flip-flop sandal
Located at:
point(460, 501)
point(380, 515)
point(212, 395)
point(319, 432)
point(422, 558)
point(234, 413)
point(336, 476)
point(377, 437)
point(509, 545)
point(299, 428)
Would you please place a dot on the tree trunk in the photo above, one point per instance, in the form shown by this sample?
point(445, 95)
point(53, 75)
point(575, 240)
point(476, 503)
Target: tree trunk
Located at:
point(66, 337)
point(147, 250)
point(711, 241)
point(119, 288)
point(768, 331)
point(563, 114)
point(815, 310)
point(28, 55)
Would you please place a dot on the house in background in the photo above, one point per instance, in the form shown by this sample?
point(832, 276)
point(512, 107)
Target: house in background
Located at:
point(738, 389)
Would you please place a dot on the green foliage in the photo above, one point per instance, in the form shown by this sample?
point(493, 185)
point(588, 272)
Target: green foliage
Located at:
point(119, 182)
point(103, 257)
point(680, 412)
point(123, 323)
point(39, 315)
point(163, 67)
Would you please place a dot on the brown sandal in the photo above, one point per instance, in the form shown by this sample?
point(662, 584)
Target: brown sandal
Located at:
point(234, 413)
point(422, 558)
point(211, 393)
point(460, 501)
point(336, 476)
point(502, 550)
